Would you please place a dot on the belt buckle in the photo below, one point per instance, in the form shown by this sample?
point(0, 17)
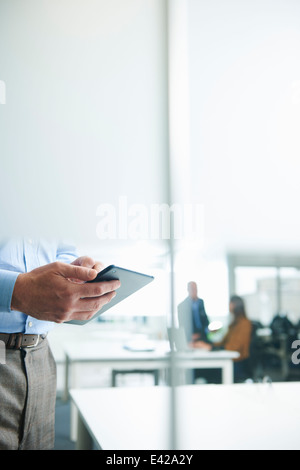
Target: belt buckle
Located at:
point(35, 344)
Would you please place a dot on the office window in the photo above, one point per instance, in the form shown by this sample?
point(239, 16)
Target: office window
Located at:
point(269, 291)
point(258, 286)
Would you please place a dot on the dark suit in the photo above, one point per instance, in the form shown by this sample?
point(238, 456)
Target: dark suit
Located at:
point(187, 320)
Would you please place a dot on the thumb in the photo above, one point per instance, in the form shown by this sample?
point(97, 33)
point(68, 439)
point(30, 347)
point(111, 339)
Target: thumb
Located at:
point(79, 273)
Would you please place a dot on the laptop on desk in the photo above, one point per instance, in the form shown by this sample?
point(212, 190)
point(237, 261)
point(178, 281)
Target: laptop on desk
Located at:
point(178, 341)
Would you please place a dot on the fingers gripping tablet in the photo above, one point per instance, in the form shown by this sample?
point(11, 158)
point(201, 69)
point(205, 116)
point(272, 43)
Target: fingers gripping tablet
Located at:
point(131, 282)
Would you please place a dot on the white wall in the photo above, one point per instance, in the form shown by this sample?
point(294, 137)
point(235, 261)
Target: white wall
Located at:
point(84, 120)
point(244, 66)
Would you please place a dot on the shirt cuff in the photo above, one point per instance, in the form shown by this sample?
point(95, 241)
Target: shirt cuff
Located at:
point(7, 284)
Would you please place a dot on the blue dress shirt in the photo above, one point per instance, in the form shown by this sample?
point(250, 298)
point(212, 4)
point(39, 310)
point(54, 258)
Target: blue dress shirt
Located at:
point(20, 256)
point(196, 316)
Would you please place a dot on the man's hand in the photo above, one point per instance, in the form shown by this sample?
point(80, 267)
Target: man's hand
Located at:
point(87, 262)
point(201, 345)
point(58, 291)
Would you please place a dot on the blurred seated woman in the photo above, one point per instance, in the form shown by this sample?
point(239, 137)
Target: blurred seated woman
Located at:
point(237, 339)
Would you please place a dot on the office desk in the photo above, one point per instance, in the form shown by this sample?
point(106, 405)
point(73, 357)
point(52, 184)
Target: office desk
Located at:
point(240, 416)
point(114, 356)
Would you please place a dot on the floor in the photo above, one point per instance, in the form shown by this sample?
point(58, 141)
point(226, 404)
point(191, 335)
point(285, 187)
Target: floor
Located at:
point(62, 426)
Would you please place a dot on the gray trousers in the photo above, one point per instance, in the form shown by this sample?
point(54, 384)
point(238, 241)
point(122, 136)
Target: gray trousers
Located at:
point(27, 399)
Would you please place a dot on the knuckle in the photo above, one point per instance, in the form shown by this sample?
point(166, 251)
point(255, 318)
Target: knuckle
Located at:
point(68, 294)
point(61, 315)
point(89, 261)
point(100, 289)
point(55, 265)
point(66, 305)
point(63, 310)
point(96, 305)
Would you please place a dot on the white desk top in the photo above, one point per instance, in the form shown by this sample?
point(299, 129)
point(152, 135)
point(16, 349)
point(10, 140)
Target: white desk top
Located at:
point(106, 350)
point(240, 416)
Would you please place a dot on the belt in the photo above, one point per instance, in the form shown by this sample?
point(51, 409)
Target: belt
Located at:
point(20, 340)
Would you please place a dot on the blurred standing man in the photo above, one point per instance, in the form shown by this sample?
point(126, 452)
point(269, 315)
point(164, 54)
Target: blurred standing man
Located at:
point(41, 283)
point(192, 316)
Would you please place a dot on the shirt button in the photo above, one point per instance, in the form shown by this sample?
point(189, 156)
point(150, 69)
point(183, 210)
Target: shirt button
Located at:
point(30, 241)
point(30, 324)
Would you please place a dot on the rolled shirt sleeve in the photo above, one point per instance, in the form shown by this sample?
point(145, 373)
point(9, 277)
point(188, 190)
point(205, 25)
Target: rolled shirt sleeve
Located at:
point(21, 256)
point(7, 284)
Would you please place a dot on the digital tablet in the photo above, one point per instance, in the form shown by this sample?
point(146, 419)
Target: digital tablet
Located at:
point(131, 282)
